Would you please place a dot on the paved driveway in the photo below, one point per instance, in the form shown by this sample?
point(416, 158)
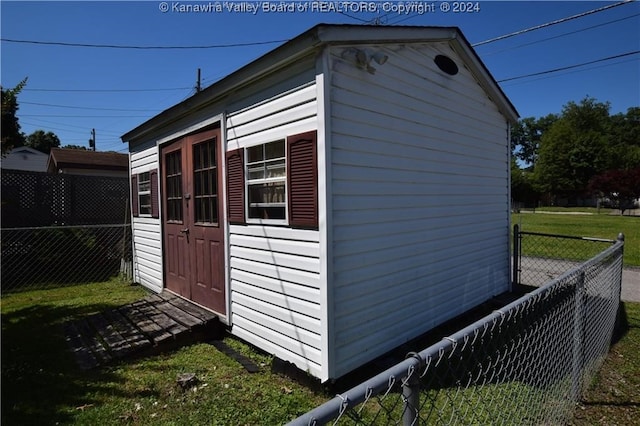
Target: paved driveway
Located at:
point(536, 272)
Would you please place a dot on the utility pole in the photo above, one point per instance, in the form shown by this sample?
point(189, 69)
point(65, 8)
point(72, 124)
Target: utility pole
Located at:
point(198, 87)
point(92, 141)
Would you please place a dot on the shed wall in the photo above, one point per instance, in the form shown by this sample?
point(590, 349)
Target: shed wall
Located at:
point(420, 181)
point(275, 270)
point(146, 231)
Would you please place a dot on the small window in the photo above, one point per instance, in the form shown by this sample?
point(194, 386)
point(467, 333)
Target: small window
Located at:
point(144, 193)
point(266, 182)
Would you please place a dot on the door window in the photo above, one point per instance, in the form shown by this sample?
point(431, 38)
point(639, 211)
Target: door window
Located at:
point(205, 182)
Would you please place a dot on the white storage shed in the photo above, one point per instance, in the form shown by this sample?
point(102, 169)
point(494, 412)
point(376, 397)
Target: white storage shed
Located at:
point(333, 199)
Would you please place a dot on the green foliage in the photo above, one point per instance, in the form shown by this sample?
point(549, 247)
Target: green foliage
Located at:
point(43, 141)
point(11, 136)
point(526, 135)
point(80, 147)
point(564, 152)
point(574, 149)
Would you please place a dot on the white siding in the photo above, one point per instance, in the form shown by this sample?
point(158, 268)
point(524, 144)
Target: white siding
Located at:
point(147, 244)
point(275, 271)
point(420, 164)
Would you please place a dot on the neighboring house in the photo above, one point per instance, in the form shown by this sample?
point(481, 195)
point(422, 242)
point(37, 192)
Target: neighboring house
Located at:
point(88, 163)
point(26, 159)
point(333, 199)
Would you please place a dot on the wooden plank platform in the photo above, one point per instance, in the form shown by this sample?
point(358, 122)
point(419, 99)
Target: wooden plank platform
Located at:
point(151, 325)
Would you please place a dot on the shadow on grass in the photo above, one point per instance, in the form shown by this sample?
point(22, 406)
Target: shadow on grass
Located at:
point(41, 383)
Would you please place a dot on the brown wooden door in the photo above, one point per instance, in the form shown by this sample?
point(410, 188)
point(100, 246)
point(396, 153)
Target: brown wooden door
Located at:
point(194, 236)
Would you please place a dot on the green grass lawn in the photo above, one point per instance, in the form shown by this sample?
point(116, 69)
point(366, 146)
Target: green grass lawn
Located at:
point(614, 397)
point(596, 225)
point(41, 384)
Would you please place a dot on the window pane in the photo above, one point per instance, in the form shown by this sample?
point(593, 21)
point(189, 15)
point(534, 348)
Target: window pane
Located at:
point(255, 153)
point(274, 150)
point(263, 212)
point(276, 168)
point(256, 172)
point(272, 192)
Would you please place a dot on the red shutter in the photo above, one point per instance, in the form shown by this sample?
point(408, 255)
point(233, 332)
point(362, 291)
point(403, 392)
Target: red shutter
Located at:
point(155, 210)
point(134, 195)
point(302, 178)
point(235, 186)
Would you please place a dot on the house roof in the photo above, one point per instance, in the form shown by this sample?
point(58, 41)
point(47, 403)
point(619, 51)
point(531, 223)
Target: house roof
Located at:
point(25, 158)
point(61, 158)
point(316, 38)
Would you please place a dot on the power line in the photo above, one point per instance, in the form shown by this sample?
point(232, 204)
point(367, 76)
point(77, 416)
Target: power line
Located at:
point(124, 46)
point(80, 132)
point(561, 35)
point(622, 55)
point(572, 72)
point(107, 90)
point(92, 108)
point(85, 116)
point(557, 21)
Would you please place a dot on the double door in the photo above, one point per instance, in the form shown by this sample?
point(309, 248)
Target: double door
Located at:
point(193, 230)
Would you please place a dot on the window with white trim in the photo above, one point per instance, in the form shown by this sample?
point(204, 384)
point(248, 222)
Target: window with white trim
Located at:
point(144, 193)
point(266, 173)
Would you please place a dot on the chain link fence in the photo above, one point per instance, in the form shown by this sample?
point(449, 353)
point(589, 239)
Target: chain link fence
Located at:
point(540, 257)
point(527, 363)
point(43, 257)
point(60, 229)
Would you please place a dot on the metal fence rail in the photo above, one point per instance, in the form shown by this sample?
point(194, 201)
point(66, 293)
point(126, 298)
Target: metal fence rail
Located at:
point(527, 363)
point(40, 257)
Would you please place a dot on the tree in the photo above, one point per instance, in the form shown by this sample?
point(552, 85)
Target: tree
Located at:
point(80, 147)
point(620, 187)
point(624, 140)
point(526, 136)
point(521, 187)
point(42, 141)
point(11, 136)
point(573, 149)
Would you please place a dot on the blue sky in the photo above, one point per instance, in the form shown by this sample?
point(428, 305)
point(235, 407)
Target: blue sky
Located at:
point(114, 90)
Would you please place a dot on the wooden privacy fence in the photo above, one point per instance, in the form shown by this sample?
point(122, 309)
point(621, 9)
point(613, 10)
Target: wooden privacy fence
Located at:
point(31, 199)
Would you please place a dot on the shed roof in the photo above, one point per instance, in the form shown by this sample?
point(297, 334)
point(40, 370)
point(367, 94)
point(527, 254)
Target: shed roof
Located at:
point(61, 158)
point(315, 38)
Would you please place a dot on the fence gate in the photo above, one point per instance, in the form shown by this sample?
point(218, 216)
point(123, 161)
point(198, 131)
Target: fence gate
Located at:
point(539, 257)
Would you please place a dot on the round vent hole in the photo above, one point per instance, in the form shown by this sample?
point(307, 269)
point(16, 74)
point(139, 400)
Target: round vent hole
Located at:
point(446, 64)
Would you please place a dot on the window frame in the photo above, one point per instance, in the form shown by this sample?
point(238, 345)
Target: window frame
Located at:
point(248, 183)
point(142, 207)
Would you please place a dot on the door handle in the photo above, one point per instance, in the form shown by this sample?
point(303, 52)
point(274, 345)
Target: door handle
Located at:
point(184, 231)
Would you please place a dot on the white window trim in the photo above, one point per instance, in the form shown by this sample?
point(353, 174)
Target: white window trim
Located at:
point(248, 182)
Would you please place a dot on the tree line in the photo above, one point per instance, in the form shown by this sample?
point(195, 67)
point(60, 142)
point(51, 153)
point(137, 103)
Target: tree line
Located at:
point(11, 133)
point(583, 153)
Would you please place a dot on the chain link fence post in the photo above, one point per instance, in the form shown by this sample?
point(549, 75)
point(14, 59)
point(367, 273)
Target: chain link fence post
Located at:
point(411, 393)
point(578, 337)
point(516, 256)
